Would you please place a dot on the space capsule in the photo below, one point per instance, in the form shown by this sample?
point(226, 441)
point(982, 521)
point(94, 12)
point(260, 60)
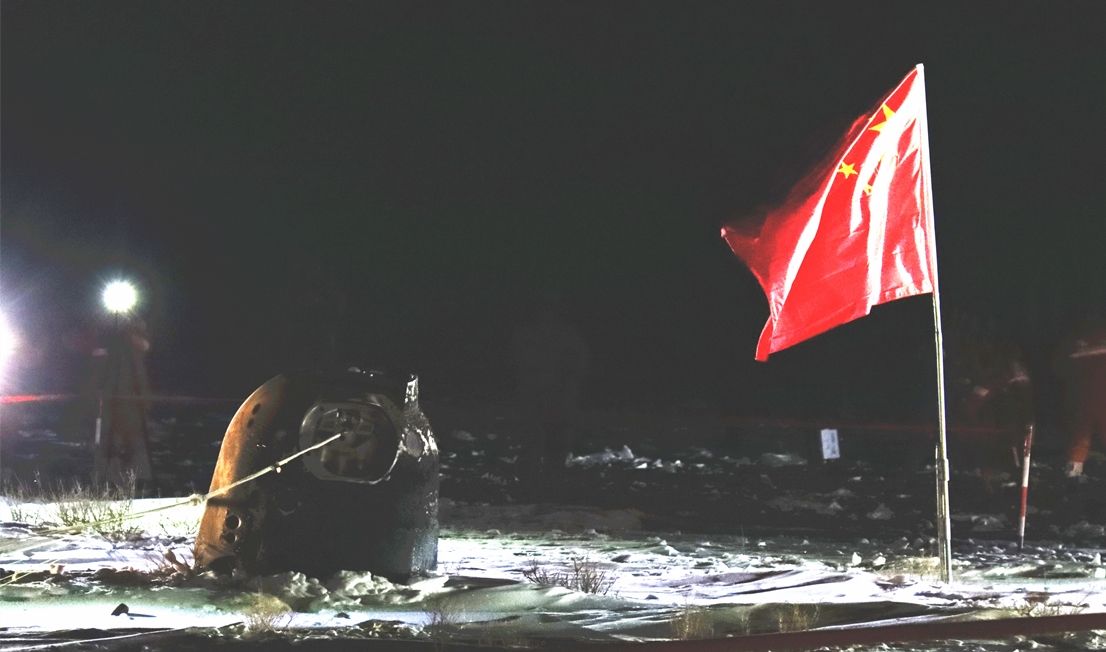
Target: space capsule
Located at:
point(367, 501)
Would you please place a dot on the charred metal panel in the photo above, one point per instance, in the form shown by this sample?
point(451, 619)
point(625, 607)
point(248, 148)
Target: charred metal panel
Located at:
point(367, 501)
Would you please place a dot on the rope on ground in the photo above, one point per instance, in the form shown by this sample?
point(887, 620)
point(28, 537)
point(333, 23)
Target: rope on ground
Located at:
point(83, 641)
point(195, 499)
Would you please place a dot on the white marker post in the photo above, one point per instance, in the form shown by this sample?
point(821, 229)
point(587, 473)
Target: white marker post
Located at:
point(831, 449)
point(1027, 450)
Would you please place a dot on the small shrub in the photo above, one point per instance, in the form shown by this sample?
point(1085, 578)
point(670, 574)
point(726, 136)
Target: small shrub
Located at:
point(1038, 605)
point(541, 576)
point(589, 578)
point(584, 575)
point(442, 620)
point(924, 569)
point(177, 528)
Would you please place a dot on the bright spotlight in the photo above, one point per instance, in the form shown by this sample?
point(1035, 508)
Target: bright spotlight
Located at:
point(8, 342)
point(119, 297)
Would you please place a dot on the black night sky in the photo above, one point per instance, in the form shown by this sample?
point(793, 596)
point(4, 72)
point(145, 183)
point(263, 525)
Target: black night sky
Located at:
point(415, 175)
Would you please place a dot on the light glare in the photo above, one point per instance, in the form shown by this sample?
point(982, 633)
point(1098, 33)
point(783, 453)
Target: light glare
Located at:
point(119, 297)
point(8, 342)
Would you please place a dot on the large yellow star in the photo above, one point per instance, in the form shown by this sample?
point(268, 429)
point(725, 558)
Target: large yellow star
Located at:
point(887, 113)
point(846, 169)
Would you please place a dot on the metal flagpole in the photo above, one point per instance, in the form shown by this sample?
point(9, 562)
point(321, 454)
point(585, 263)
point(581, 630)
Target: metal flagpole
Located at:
point(944, 524)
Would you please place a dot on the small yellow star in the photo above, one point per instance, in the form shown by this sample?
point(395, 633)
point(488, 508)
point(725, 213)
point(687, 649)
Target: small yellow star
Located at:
point(847, 169)
point(887, 113)
point(867, 189)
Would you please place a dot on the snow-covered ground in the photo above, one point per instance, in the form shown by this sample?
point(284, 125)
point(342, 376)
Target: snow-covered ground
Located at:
point(77, 581)
point(695, 542)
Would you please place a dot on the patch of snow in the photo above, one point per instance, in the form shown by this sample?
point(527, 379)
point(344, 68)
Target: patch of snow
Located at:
point(881, 513)
point(789, 504)
point(607, 456)
point(1085, 530)
point(462, 435)
point(782, 459)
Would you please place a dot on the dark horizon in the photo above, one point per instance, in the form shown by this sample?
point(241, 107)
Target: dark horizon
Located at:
point(440, 167)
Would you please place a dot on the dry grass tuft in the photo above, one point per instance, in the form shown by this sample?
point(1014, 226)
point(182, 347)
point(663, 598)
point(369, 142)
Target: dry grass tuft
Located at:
point(177, 528)
point(165, 569)
point(266, 614)
point(692, 623)
point(170, 566)
point(504, 636)
point(782, 617)
point(100, 509)
point(798, 617)
point(905, 569)
point(1038, 604)
point(18, 495)
point(443, 619)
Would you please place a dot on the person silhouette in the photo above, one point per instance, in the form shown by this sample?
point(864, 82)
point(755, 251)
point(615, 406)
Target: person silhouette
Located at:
point(992, 396)
point(1081, 364)
point(551, 361)
point(121, 442)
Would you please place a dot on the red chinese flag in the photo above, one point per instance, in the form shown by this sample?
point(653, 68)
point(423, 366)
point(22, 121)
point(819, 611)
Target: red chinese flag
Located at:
point(853, 234)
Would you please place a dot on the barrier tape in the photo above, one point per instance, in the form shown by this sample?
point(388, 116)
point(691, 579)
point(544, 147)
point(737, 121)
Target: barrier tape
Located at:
point(34, 398)
point(856, 426)
point(733, 422)
point(12, 399)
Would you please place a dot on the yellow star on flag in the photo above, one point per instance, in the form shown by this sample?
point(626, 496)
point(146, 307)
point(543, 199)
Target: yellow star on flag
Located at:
point(846, 169)
point(868, 189)
point(887, 113)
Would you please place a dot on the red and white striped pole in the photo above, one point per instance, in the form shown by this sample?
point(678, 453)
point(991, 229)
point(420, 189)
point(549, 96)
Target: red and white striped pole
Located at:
point(1027, 449)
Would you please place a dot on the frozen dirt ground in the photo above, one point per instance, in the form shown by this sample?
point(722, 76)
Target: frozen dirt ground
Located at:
point(718, 536)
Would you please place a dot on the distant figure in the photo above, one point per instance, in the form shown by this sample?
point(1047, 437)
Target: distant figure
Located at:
point(121, 445)
point(551, 360)
point(992, 392)
point(1081, 363)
